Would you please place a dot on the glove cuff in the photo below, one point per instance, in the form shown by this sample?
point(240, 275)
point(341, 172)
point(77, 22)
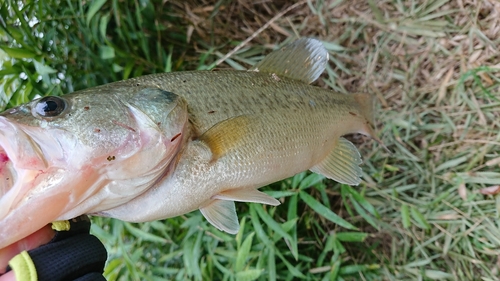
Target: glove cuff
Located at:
point(73, 254)
point(25, 269)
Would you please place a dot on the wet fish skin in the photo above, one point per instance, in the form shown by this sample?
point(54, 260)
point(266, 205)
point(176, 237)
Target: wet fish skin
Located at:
point(219, 135)
point(108, 145)
point(283, 127)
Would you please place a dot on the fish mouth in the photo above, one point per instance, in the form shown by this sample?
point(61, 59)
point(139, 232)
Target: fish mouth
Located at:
point(8, 178)
point(20, 160)
point(8, 173)
point(27, 198)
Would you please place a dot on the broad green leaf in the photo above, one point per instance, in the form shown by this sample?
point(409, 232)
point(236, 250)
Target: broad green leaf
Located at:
point(43, 69)
point(112, 266)
point(243, 253)
point(356, 269)
point(106, 52)
point(438, 275)
point(361, 211)
point(9, 71)
point(271, 264)
point(139, 233)
point(330, 46)
point(297, 179)
point(280, 194)
point(292, 216)
point(117, 68)
point(248, 275)
point(168, 63)
point(19, 53)
point(271, 223)
point(254, 217)
point(324, 211)
point(361, 200)
point(310, 180)
point(293, 270)
point(103, 24)
point(405, 216)
point(419, 218)
point(292, 207)
point(94, 7)
point(351, 236)
point(334, 272)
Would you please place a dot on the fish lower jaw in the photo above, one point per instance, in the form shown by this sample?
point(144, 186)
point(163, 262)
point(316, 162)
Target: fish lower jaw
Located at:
point(16, 184)
point(8, 173)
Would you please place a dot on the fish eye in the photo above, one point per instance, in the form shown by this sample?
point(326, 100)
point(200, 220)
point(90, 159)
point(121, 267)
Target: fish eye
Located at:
point(50, 106)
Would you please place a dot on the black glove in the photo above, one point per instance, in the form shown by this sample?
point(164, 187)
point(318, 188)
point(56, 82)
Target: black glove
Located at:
point(73, 254)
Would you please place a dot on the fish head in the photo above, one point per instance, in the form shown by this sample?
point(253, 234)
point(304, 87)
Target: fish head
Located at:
point(80, 153)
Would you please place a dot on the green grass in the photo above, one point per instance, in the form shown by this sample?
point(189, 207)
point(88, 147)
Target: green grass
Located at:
point(418, 215)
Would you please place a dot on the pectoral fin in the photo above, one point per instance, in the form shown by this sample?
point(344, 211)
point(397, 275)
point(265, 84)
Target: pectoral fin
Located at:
point(227, 135)
point(247, 195)
point(222, 215)
point(304, 60)
point(342, 164)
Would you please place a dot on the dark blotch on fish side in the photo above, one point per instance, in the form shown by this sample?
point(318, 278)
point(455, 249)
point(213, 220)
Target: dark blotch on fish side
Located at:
point(353, 114)
point(111, 158)
point(86, 108)
point(211, 111)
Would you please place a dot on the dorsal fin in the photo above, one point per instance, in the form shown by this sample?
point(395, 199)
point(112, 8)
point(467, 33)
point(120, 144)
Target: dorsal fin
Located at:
point(304, 60)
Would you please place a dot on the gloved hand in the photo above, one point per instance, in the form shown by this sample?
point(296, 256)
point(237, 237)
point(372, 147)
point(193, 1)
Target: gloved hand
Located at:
point(71, 254)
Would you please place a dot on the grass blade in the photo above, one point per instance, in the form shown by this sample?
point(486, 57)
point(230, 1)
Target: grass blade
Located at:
point(324, 211)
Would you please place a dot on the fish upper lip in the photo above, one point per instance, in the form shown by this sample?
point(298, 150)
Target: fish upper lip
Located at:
point(8, 173)
point(18, 152)
point(19, 145)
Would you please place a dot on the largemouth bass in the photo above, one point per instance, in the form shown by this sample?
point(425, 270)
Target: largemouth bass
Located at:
point(163, 145)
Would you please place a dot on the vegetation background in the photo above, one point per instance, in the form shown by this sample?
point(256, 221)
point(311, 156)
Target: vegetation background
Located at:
point(427, 212)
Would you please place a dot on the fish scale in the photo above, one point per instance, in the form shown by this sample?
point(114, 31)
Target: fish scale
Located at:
point(163, 145)
point(221, 102)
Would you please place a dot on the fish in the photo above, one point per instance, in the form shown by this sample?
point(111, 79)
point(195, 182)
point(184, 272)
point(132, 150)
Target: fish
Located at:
point(163, 145)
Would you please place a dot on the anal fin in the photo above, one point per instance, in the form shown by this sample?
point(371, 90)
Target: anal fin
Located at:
point(247, 195)
point(222, 215)
point(342, 164)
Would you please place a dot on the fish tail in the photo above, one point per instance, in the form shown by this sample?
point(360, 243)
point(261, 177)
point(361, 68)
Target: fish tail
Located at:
point(367, 108)
point(366, 105)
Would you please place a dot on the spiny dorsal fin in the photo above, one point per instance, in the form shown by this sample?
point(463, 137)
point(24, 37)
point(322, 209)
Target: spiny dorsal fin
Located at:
point(342, 164)
point(222, 215)
point(226, 135)
point(247, 195)
point(304, 60)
